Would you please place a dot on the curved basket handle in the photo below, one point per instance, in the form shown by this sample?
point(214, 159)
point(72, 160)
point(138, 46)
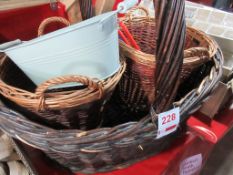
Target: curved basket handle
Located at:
point(169, 53)
point(47, 21)
point(90, 83)
point(129, 15)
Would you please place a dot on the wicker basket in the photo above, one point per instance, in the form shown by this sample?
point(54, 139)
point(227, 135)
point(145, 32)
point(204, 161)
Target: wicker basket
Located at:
point(110, 148)
point(136, 88)
point(71, 107)
point(78, 107)
point(105, 149)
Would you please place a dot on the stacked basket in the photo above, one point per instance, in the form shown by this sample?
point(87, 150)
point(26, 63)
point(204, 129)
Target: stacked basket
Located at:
point(77, 107)
point(136, 88)
point(106, 149)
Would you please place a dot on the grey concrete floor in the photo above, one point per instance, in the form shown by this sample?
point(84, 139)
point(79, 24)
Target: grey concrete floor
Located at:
point(220, 161)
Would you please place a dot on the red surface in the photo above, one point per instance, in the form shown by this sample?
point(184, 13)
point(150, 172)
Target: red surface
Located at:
point(24, 22)
point(212, 131)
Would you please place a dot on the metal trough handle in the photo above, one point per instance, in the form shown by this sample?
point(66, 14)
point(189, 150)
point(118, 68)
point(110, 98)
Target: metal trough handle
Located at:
point(7, 45)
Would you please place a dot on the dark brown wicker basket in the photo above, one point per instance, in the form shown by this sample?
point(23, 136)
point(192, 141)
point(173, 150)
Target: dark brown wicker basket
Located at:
point(105, 149)
point(110, 148)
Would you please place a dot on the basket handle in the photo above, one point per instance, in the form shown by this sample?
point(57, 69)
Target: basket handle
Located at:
point(169, 53)
point(129, 15)
point(50, 20)
point(90, 83)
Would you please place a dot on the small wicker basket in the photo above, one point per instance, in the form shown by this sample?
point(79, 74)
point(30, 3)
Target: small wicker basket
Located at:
point(136, 88)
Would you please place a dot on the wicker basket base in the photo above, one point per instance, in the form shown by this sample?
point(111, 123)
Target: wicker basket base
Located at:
point(105, 162)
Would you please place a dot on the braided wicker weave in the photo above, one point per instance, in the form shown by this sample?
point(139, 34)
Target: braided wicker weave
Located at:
point(106, 149)
point(136, 88)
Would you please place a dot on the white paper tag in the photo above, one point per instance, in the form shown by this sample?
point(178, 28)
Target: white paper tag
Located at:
point(168, 122)
point(191, 165)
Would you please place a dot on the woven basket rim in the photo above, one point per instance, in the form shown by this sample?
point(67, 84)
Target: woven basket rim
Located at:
point(57, 100)
point(148, 59)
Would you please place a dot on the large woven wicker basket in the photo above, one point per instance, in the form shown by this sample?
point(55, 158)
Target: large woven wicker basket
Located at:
point(105, 149)
point(136, 88)
point(110, 148)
